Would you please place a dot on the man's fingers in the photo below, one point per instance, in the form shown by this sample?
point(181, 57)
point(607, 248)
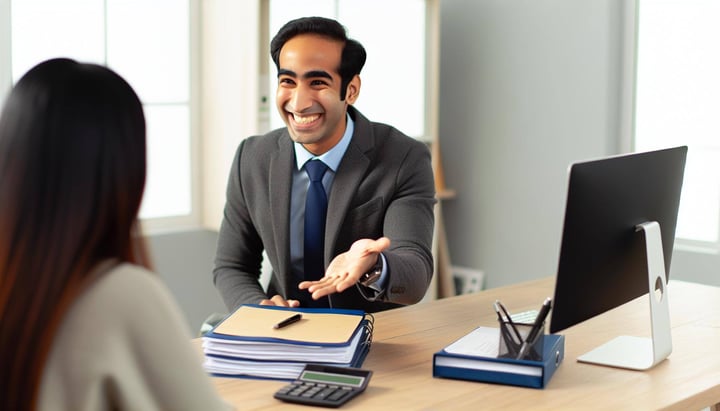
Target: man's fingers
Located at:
point(279, 301)
point(322, 291)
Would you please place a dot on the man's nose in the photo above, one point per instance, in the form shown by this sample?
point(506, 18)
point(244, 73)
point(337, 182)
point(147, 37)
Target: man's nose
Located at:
point(301, 99)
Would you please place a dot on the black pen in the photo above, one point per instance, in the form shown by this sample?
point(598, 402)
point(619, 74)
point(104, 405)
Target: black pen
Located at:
point(538, 325)
point(507, 320)
point(284, 323)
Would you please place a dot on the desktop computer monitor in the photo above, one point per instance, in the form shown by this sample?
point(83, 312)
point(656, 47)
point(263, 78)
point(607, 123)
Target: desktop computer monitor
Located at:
point(606, 247)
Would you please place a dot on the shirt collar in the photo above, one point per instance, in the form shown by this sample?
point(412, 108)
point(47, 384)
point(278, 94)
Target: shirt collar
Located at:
point(333, 156)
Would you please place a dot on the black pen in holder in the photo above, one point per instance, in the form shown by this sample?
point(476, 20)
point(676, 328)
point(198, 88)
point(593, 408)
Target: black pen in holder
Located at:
point(510, 347)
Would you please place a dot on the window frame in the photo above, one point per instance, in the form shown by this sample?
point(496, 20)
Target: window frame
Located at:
point(629, 75)
point(156, 224)
point(5, 51)
point(192, 220)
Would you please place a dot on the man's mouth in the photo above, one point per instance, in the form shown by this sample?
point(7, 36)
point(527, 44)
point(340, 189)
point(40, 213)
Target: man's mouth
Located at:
point(299, 119)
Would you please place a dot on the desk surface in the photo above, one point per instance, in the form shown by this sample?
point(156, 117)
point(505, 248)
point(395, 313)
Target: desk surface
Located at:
point(406, 338)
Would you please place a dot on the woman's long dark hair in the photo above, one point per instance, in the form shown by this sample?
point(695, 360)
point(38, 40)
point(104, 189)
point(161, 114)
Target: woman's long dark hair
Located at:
point(72, 175)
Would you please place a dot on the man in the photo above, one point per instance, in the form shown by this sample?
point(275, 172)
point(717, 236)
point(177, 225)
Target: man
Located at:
point(376, 185)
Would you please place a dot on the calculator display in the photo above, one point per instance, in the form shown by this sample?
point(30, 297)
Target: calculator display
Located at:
point(325, 377)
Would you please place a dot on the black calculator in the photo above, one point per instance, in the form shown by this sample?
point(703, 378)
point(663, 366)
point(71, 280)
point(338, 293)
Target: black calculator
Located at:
point(325, 385)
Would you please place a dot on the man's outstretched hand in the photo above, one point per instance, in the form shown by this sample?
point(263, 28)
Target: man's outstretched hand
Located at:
point(346, 269)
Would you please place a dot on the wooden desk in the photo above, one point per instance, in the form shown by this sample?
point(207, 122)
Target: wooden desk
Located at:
point(406, 338)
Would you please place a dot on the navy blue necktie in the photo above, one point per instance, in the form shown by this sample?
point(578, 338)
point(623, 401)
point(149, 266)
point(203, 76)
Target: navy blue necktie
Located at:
point(315, 212)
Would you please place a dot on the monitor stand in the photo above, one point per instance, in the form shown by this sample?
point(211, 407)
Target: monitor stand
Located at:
point(637, 353)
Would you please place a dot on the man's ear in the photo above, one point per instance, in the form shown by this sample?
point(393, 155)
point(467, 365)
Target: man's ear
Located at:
point(353, 90)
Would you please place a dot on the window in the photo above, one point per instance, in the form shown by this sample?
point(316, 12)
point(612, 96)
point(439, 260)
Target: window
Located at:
point(677, 102)
point(148, 43)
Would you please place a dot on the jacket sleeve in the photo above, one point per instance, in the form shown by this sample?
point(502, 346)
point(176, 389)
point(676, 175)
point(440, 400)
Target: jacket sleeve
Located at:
point(409, 223)
point(238, 258)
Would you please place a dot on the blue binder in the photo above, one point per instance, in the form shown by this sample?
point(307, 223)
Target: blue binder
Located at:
point(509, 371)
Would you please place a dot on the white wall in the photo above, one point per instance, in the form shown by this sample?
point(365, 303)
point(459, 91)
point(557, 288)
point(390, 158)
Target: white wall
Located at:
point(184, 260)
point(526, 87)
point(230, 93)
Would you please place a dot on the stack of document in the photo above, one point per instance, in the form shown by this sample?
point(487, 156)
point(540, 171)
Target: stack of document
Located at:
point(247, 344)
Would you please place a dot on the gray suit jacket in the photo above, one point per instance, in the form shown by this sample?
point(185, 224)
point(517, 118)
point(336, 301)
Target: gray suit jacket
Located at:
point(384, 186)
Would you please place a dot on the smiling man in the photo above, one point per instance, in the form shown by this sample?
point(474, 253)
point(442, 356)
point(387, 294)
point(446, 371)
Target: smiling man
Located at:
point(342, 207)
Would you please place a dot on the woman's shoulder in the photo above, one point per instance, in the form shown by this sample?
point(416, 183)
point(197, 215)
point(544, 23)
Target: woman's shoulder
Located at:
point(115, 302)
point(131, 295)
point(126, 276)
point(119, 288)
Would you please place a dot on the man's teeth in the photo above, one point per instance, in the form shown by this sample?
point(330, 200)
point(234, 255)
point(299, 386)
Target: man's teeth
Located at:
point(305, 119)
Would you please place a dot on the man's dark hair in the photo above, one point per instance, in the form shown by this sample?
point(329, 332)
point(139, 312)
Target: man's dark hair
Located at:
point(353, 55)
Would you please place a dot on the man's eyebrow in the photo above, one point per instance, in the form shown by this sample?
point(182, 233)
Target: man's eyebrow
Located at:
point(317, 73)
point(286, 72)
point(309, 74)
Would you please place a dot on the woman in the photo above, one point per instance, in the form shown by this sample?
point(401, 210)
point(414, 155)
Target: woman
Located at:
point(83, 324)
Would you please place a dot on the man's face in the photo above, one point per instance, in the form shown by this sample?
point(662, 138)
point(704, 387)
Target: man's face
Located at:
point(308, 93)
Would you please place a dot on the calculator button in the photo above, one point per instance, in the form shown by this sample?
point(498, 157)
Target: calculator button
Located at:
point(338, 394)
point(298, 391)
point(286, 389)
point(324, 393)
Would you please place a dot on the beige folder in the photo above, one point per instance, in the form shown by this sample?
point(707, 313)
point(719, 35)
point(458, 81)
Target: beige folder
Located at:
point(320, 328)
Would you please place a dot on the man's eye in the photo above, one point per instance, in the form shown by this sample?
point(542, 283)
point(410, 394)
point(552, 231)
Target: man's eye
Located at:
point(319, 83)
point(286, 81)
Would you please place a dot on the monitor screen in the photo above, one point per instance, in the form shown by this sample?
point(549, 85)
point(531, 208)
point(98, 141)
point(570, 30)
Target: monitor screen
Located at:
point(602, 260)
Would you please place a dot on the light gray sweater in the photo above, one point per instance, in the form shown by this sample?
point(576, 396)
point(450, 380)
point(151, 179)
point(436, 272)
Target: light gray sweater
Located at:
point(124, 345)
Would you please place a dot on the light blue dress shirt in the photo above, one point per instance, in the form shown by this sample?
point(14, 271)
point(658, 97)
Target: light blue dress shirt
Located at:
point(300, 184)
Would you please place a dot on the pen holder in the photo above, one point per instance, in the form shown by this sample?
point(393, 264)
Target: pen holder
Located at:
point(510, 347)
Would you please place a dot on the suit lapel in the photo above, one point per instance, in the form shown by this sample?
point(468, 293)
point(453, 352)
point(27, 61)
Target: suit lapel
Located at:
point(281, 163)
point(347, 179)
